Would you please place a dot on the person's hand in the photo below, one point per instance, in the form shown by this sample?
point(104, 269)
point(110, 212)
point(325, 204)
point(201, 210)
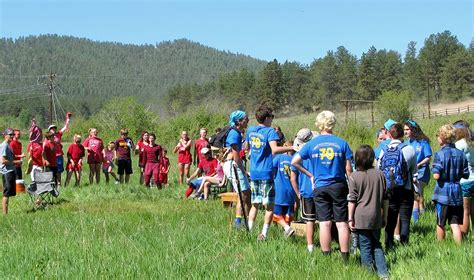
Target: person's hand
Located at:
point(313, 182)
point(188, 181)
point(22, 155)
point(351, 225)
point(46, 163)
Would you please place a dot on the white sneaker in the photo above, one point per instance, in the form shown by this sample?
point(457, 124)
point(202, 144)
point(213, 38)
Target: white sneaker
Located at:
point(117, 182)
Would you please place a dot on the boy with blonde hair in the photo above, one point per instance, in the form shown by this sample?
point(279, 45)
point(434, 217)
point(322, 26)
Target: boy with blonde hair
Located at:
point(449, 166)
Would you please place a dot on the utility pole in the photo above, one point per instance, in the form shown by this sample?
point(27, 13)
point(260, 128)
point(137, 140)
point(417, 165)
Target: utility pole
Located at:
point(429, 102)
point(51, 91)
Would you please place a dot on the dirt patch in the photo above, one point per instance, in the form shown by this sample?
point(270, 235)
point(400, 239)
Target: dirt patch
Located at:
point(455, 105)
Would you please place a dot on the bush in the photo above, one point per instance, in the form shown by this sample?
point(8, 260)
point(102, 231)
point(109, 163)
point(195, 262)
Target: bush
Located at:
point(394, 105)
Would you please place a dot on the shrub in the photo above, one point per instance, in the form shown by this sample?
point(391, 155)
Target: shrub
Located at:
point(394, 105)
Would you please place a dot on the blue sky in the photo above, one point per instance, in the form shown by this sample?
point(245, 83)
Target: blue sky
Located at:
point(285, 30)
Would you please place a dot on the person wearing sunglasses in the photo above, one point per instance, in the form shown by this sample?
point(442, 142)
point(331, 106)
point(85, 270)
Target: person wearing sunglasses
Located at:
point(421, 143)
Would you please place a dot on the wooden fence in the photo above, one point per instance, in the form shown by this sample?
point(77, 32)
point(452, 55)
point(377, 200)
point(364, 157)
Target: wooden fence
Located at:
point(444, 112)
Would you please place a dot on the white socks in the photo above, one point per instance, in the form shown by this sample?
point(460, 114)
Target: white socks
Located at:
point(265, 229)
point(310, 248)
point(287, 228)
point(250, 225)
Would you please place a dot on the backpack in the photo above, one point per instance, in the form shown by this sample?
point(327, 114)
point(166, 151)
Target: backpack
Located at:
point(394, 166)
point(218, 140)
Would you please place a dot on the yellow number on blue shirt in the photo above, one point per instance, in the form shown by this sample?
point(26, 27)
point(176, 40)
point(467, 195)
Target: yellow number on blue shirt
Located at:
point(326, 153)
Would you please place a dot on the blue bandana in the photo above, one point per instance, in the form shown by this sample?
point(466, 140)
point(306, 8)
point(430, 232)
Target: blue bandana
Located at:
point(235, 116)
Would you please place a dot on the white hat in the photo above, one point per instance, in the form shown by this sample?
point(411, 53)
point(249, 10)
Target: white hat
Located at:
point(52, 126)
point(303, 136)
point(205, 150)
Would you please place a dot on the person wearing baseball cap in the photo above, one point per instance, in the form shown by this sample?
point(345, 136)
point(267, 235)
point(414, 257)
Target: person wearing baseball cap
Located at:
point(206, 167)
point(303, 188)
point(7, 168)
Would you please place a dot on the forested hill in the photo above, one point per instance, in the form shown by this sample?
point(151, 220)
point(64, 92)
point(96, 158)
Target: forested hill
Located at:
point(89, 72)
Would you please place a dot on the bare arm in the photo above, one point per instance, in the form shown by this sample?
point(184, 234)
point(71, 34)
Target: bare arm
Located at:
point(294, 184)
point(348, 168)
point(425, 161)
point(279, 150)
point(352, 207)
point(296, 162)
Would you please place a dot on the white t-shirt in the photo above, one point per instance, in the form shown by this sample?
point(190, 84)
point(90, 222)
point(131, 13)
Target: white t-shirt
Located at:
point(469, 152)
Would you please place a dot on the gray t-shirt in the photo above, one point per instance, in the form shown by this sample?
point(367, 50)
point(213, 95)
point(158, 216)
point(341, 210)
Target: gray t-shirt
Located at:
point(7, 152)
point(367, 191)
point(410, 157)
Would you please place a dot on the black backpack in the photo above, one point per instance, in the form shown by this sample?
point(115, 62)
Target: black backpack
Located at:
point(218, 140)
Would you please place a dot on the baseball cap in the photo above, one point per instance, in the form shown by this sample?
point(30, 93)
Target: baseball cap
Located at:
point(303, 136)
point(205, 150)
point(7, 131)
point(388, 124)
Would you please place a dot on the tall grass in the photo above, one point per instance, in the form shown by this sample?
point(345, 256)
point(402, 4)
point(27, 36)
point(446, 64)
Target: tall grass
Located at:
point(128, 231)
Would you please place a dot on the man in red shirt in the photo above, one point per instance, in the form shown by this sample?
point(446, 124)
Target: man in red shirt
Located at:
point(94, 146)
point(35, 151)
point(152, 158)
point(200, 143)
point(208, 166)
point(49, 155)
point(56, 139)
point(15, 145)
point(123, 146)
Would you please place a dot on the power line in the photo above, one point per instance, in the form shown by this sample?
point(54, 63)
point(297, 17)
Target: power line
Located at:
point(20, 90)
point(24, 98)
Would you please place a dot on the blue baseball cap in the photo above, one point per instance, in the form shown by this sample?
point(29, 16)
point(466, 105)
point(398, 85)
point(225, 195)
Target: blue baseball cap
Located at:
point(388, 124)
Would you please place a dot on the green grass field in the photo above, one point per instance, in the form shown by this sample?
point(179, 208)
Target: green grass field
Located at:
point(116, 231)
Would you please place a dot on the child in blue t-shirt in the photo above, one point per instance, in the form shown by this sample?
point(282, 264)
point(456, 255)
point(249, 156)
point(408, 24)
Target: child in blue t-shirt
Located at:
point(262, 141)
point(449, 166)
point(302, 186)
point(283, 211)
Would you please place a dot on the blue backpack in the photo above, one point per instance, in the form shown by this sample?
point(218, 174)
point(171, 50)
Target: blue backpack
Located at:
point(394, 166)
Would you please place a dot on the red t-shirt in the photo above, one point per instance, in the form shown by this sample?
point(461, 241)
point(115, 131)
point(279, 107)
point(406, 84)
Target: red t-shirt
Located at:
point(57, 141)
point(184, 154)
point(208, 166)
point(152, 154)
point(94, 146)
point(198, 145)
point(76, 152)
point(165, 162)
point(36, 153)
point(141, 150)
point(16, 148)
point(49, 149)
point(123, 148)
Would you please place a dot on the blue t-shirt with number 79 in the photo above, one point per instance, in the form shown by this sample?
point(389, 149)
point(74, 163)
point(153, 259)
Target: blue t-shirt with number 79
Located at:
point(258, 138)
point(327, 154)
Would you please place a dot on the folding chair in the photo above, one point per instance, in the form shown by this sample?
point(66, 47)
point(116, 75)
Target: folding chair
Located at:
point(43, 189)
point(220, 188)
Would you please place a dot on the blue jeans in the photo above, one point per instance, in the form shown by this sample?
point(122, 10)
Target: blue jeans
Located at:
point(371, 252)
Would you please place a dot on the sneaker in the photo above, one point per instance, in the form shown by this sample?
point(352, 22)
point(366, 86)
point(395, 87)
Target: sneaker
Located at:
point(396, 237)
point(289, 233)
point(261, 237)
point(117, 182)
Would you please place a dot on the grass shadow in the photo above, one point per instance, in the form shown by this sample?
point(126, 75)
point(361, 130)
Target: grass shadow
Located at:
point(44, 206)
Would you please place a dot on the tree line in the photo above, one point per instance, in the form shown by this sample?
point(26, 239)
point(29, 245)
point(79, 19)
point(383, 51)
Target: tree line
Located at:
point(443, 66)
point(91, 73)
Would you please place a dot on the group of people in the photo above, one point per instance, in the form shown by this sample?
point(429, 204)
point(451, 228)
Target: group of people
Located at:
point(315, 173)
point(45, 153)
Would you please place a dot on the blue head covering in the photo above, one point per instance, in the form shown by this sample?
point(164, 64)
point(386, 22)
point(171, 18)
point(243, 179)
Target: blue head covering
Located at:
point(388, 124)
point(235, 116)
